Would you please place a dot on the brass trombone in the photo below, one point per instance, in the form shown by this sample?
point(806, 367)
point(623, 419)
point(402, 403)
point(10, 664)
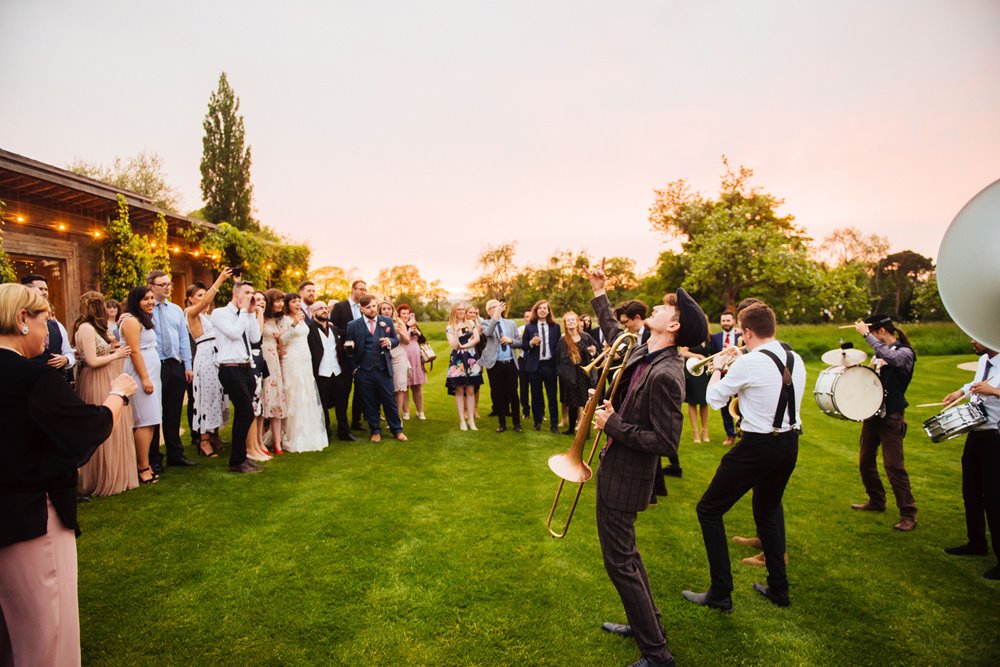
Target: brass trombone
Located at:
point(698, 366)
point(570, 467)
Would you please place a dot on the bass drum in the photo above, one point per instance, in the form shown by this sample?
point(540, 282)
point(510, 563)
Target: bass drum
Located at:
point(853, 393)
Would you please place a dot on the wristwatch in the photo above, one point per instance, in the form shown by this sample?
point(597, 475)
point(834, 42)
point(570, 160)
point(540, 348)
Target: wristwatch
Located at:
point(115, 392)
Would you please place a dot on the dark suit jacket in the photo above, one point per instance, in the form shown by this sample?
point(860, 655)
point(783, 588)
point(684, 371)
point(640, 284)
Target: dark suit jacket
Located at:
point(357, 331)
point(716, 345)
point(532, 352)
point(341, 315)
point(649, 426)
point(316, 348)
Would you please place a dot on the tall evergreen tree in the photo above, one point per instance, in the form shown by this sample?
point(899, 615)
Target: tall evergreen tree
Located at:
point(225, 162)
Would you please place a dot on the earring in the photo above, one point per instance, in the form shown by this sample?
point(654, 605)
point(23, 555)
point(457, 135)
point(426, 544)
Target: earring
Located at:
point(24, 331)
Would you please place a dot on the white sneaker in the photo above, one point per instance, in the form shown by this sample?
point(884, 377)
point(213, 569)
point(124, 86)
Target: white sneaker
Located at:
point(406, 415)
point(420, 415)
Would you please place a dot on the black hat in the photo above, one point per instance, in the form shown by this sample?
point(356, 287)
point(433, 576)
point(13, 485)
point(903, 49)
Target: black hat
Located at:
point(694, 324)
point(879, 322)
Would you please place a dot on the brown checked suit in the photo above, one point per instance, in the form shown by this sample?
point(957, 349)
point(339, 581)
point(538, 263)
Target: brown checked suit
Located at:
point(648, 427)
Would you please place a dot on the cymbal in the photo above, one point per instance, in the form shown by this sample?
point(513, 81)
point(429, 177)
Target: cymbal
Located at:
point(848, 357)
point(972, 366)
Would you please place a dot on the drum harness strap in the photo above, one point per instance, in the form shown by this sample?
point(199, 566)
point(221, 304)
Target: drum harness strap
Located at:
point(786, 399)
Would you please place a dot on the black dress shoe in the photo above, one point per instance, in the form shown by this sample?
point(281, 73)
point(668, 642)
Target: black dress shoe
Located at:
point(82, 499)
point(517, 428)
point(673, 471)
point(993, 574)
point(619, 629)
point(347, 437)
point(501, 429)
point(554, 429)
point(182, 462)
point(245, 467)
point(706, 599)
point(537, 427)
point(966, 550)
point(780, 599)
point(570, 431)
point(527, 414)
point(157, 468)
point(645, 661)
point(493, 413)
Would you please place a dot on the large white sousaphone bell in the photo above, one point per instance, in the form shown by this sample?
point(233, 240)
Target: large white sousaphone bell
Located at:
point(967, 275)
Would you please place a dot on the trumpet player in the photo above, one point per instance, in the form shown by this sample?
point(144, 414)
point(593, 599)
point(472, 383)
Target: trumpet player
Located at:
point(895, 358)
point(643, 423)
point(981, 462)
point(769, 381)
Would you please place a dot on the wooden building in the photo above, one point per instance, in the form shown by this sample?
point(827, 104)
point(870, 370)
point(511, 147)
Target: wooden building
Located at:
point(55, 221)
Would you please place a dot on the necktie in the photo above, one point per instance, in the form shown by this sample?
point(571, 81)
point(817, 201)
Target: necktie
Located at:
point(640, 370)
point(726, 344)
point(371, 327)
point(543, 331)
point(986, 370)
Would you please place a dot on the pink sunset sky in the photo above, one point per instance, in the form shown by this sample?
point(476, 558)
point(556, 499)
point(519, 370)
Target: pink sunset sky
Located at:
point(418, 133)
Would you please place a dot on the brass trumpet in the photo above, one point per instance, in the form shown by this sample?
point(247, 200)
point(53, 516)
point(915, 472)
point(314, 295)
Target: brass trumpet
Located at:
point(570, 467)
point(698, 366)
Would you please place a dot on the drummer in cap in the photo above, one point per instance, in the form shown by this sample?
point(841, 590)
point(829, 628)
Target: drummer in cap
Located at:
point(895, 359)
point(981, 461)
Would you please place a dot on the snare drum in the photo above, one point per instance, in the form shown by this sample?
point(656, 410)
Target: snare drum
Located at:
point(853, 393)
point(955, 421)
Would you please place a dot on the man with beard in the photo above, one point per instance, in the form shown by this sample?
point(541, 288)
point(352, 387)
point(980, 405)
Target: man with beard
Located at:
point(728, 337)
point(328, 360)
point(343, 313)
point(307, 292)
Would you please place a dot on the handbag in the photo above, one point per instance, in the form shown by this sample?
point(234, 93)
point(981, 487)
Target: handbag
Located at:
point(427, 354)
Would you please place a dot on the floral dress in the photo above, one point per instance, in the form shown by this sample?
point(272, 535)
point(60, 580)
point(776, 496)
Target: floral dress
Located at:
point(275, 401)
point(463, 367)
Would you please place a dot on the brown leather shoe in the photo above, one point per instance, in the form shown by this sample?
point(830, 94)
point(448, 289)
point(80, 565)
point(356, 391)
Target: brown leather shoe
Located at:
point(868, 506)
point(729, 441)
point(245, 467)
point(906, 524)
point(376, 437)
point(748, 542)
point(759, 560)
point(401, 437)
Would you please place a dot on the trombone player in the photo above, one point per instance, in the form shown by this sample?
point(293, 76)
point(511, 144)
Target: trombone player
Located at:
point(643, 424)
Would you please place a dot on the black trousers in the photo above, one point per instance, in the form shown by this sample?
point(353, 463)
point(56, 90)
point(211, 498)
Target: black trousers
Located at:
point(981, 487)
point(357, 404)
point(616, 531)
point(174, 385)
point(727, 421)
point(374, 388)
point(545, 377)
point(762, 462)
point(239, 384)
point(503, 388)
point(523, 385)
point(333, 394)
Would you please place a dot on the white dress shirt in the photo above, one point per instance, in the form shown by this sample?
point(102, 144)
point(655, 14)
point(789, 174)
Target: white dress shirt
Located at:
point(67, 349)
point(235, 330)
point(328, 365)
point(545, 350)
point(991, 404)
point(755, 379)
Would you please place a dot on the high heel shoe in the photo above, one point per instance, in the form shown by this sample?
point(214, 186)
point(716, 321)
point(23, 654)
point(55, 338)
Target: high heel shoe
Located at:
point(153, 477)
point(201, 449)
point(472, 425)
point(462, 426)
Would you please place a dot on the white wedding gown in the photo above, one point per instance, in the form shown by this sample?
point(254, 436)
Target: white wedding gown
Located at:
point(305, 429)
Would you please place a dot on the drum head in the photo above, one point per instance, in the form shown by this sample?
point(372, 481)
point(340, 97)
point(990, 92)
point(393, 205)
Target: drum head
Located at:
point(844, 357)
point(858, 393)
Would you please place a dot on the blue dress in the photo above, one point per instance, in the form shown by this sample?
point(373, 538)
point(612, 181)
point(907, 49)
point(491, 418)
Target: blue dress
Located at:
point(147, 409)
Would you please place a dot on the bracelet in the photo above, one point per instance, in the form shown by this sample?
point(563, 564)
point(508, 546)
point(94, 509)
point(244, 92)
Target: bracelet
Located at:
point(119, 394)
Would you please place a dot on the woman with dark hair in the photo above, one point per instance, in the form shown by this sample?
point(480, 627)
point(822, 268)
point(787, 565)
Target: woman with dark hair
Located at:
point(575, 349)
point(305, 426)
point(209, 405)
point(418, 376)
point(100, 360)
point(256, 450)
point(113, 311)
point(275, 398)
point(48, 433)
point(143, 365)
point(695, 390)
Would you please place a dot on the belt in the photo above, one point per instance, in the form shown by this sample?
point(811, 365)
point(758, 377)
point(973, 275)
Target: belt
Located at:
point(241, 364)
point(203, 340)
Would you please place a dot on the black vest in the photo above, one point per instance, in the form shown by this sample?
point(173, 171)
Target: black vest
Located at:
point(54, 346)
point(895, 381)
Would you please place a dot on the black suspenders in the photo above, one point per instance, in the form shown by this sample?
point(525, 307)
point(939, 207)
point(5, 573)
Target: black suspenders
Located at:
point(786, 399)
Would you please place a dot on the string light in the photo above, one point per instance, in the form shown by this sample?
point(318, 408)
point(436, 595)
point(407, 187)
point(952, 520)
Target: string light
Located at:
point(20, 218)
point(97, 234)
point(152, 244)
point(61, 227)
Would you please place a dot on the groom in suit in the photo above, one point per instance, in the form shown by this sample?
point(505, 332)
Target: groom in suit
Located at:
point(728, 337)
point(370, 338)
point(329, 364)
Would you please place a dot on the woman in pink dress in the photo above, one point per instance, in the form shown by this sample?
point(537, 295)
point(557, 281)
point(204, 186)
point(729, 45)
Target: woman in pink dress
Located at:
point(418, 377)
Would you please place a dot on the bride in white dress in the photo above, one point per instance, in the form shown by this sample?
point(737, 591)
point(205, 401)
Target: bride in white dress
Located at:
point(304, 428)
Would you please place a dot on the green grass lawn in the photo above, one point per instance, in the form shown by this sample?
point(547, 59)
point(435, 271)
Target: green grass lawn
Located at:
point(434, 552)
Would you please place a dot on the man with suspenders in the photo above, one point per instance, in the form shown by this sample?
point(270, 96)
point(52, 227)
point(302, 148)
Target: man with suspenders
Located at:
point(769, 381)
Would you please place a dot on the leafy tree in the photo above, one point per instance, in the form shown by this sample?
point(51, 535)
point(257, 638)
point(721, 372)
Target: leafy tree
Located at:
point(396, 281)
point(668, 275)
point(850, 245)
point(332, 283)
point(125, 256)
point(498, 273)
point(736, 244)
point(896, 276)
point(225, 162)
point(142, 173)
point(7, 273)
point(160, 255)
point(926, 303)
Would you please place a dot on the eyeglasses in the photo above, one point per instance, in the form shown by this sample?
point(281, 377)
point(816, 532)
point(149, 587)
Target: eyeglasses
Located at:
point(162, 284)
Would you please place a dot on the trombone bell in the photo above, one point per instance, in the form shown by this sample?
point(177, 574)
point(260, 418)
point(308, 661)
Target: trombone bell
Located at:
point(570, 468)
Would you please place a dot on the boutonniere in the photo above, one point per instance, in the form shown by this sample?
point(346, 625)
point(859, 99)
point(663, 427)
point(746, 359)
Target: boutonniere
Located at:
point(385, 326)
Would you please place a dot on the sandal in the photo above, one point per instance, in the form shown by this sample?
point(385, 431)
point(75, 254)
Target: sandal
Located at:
point(201, 448)
point(153, 479)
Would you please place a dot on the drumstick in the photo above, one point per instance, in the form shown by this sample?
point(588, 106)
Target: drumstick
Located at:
point(929, 405)
point(846, 326)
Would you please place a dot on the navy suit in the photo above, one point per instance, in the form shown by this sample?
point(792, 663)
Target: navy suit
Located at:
point(373, 374)
point(715, 345)
point(541, 373)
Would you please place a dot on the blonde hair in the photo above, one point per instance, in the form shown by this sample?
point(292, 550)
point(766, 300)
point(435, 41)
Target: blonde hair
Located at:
point(15, 298)
point(453, 320)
